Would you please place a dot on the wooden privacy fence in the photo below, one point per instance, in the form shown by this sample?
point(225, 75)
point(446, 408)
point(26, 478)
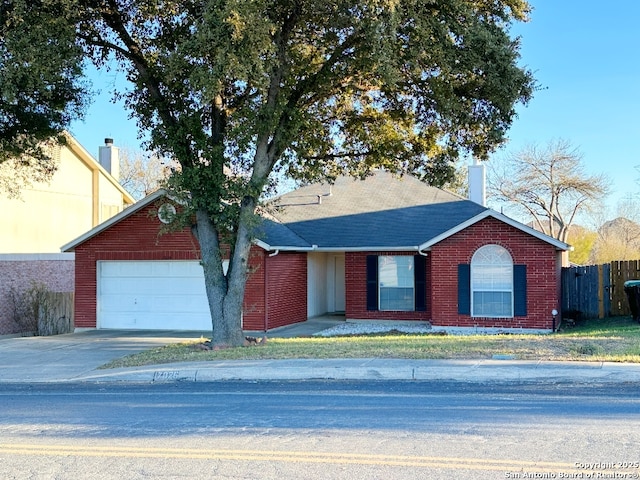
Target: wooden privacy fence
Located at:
point(55, 313)
point(597, 291)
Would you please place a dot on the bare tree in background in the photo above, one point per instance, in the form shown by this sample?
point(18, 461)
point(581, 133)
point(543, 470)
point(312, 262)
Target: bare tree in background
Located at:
point(619, 238)
point(142, 173)
point(548, 184)
point(459, 184)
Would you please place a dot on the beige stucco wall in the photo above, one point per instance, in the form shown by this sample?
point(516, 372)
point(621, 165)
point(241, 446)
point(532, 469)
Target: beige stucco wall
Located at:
point(48, 216)
point(110, 200)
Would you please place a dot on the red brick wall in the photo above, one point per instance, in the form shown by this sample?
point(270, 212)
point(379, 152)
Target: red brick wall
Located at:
point(356, 290)
point(137, 238)
point(19, 272)
point(286, 280)
point(539, 256)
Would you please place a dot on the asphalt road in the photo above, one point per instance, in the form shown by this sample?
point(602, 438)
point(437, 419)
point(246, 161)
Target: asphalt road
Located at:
point(320, 429)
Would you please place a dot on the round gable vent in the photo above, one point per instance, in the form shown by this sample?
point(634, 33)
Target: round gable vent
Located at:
point(166, 213)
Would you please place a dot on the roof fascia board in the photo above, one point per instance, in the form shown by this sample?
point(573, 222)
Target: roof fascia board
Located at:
point(282, 248)
point(531, 231)
point(503, 218)
point(370, 249)
point(315, 248)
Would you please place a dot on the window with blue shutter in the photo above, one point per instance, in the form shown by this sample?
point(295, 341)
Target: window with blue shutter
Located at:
point(519, 290)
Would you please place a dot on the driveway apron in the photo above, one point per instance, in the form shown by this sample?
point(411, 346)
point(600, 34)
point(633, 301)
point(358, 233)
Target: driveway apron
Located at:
point(65, 357)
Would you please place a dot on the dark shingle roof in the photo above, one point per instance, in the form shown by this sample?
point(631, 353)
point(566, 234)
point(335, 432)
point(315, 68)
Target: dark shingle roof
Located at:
point(380, 211)
point(275, 233)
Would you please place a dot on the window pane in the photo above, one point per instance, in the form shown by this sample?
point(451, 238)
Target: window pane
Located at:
point(492, 304)
point(491, 255)
point(492, 277)
point(396, 299)
point(396, 277)
point(396, 271)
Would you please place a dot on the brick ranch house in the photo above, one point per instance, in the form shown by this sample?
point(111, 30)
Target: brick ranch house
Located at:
point(385, 248)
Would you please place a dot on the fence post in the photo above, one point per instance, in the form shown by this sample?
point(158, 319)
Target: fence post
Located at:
point(600, 291)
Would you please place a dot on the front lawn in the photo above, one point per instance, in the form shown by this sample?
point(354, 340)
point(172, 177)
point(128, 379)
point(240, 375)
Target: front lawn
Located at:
point(615, 339)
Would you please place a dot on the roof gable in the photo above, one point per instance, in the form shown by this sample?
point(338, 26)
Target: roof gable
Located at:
point(498, 216)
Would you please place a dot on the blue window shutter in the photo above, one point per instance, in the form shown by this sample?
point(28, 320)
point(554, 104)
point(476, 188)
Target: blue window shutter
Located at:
point(372, 282)
point(464, 289)
point(420, 281)
point(520, 290)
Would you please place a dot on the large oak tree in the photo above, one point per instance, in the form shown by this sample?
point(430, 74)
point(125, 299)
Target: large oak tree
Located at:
point(236, 90)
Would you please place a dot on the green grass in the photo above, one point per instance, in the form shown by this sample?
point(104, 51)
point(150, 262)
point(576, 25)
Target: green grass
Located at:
point(614, 339)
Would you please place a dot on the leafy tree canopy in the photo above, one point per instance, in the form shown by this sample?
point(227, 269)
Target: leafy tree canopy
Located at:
point(310, 88)
point(41, 89)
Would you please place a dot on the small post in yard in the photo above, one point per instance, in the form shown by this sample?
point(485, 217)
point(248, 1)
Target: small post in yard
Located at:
point(554, 313)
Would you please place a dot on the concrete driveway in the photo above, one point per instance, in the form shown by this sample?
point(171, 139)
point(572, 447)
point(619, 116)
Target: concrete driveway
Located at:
point(74, 355)
point(65, 357)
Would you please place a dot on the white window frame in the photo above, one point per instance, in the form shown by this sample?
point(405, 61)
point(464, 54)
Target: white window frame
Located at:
point(396, 280)
point(492, 272)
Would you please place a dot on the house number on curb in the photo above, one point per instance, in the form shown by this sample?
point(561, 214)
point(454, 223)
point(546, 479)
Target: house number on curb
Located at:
point(174, 375)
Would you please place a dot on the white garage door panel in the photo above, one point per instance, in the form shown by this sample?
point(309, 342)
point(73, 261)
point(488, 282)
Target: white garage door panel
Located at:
point(152, 295)
point(153, 304)
point(151, 269)
point(153, 286)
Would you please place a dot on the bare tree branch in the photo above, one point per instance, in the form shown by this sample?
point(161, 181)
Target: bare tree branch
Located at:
point(548, 184)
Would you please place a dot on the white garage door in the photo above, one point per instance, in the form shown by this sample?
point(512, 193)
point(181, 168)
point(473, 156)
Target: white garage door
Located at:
point(152, 295)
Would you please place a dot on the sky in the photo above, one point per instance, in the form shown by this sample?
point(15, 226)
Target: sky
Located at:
point(585, 55)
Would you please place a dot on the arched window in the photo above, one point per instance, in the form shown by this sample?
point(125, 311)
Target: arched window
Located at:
point(491, 282)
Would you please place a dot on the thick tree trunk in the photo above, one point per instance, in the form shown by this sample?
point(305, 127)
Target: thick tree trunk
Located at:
point(224, 293)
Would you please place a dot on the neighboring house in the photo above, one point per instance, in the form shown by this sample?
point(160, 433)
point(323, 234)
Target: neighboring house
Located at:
point(81, 194)
point(385, 248)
